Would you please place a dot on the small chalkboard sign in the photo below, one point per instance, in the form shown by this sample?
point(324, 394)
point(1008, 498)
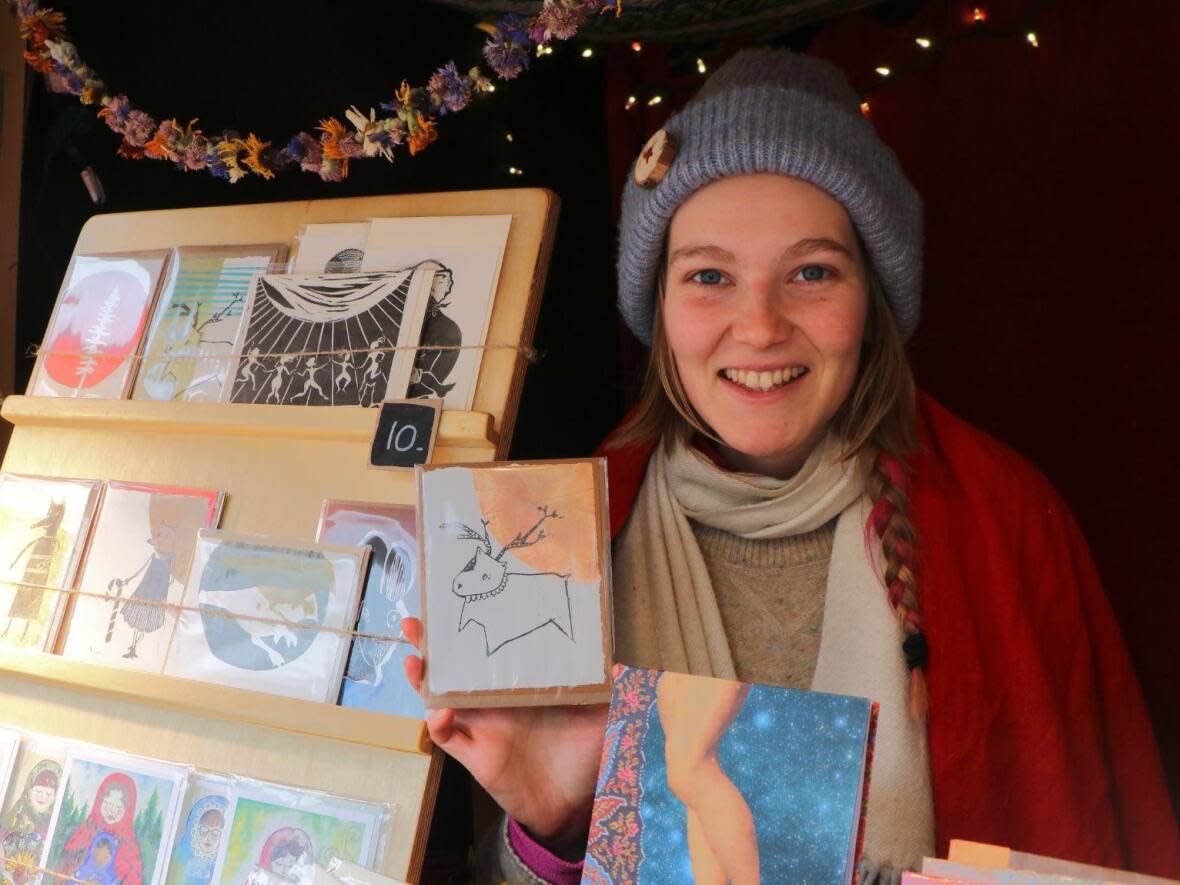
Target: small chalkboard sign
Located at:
point(405, 433)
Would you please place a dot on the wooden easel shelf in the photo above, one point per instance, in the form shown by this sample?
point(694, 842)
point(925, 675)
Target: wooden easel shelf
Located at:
point(207, 699)
point(277, 466)
point(457, 430)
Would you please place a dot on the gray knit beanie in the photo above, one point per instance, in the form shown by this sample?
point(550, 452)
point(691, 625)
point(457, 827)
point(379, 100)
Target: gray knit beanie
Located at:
point(771, 110)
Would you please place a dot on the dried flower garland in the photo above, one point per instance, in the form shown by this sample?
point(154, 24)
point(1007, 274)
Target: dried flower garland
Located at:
point(413, 111)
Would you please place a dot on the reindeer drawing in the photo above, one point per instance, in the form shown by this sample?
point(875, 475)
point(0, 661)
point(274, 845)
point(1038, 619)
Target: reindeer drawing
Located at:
point(509, 605)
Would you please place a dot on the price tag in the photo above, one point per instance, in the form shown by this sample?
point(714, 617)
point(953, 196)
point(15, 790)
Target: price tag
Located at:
point(405, 433)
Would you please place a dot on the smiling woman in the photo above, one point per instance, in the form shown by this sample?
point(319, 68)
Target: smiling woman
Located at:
point(764, 305)
point(788, 510)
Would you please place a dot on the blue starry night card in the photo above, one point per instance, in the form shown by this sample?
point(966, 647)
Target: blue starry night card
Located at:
point(709, 780)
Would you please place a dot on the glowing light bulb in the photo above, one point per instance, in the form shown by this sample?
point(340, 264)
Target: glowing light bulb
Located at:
point(864, 108)
point(508, 137)
point(884, 71)
point(978, 15)
point(637, 46)
point(654, 100)
point(631, 102)
point(512, 170)
point(924, 42)
point(702, 68)
point(1032, 38)
point(587, 52)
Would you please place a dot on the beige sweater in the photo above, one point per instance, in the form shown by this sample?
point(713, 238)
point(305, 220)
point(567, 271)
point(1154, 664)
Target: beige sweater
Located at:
point(771, 596)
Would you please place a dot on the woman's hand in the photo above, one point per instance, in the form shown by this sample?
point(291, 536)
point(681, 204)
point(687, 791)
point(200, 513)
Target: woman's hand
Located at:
point(539, 764)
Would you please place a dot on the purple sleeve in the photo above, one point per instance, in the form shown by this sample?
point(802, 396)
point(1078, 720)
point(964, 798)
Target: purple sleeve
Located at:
point(542, 862)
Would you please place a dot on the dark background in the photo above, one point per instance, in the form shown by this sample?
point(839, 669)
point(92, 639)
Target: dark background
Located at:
point(1049, 175)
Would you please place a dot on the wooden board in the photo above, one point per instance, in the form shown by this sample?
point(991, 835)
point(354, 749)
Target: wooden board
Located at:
point(277, 464)
point(363, 771)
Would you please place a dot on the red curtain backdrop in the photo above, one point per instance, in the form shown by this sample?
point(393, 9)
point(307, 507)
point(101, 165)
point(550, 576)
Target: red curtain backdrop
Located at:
point(1051, 306)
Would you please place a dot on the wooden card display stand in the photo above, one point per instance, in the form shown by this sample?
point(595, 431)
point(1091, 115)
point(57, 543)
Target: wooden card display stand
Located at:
point(277, 465)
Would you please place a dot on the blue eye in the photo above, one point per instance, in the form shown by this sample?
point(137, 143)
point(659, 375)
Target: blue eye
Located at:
point(813, 273)
point(708, 277)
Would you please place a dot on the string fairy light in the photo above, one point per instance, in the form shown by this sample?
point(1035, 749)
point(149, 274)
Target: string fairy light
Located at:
point(977, 19)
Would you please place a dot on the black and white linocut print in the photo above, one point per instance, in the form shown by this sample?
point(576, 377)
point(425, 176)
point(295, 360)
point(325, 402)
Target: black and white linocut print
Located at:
point(468, 251)
point(329, 339)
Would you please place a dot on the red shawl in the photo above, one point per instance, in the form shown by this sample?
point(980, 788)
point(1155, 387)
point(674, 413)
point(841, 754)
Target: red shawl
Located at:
point(128, 864)
point(1039, 738)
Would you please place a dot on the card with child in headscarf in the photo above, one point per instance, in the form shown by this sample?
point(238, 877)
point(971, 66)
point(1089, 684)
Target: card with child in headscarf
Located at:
point(115, 818)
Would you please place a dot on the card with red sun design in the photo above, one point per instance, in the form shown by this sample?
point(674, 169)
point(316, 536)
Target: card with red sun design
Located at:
point(95, 334)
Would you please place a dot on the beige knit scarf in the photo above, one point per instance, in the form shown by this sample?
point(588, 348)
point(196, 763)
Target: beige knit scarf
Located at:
point(667, 616)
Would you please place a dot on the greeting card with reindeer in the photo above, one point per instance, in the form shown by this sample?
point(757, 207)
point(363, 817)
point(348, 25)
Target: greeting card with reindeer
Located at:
point(267, 615)
point(516, 591)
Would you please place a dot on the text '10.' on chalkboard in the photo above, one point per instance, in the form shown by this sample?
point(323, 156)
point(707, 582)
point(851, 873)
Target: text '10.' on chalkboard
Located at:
point(405, 433)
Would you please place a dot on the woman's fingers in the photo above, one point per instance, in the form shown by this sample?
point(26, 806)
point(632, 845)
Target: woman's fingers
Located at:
point(412, 630)
point(449, 734)
point(445, 730)
point(413, 668)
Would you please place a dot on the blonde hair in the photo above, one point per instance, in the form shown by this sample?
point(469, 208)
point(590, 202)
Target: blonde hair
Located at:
point(877, 424)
